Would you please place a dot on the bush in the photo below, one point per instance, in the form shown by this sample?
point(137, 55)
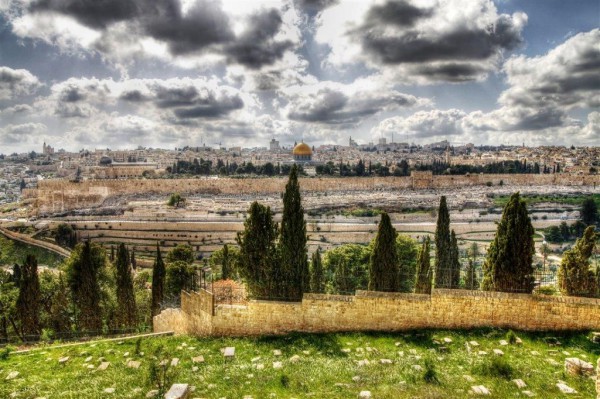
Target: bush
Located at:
point(511, 337)
point(496, 367)
point(5, 352)
point(430, 375)
point(546, 290)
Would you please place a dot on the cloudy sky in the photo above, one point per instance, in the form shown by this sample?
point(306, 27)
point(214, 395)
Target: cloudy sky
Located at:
point(168, 73)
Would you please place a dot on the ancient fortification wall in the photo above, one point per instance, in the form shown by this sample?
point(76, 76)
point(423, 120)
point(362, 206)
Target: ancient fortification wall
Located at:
point(62, 195)
point(376, 311)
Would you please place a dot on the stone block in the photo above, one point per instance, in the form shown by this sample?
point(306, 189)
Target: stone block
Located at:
point(576, 366)
point(178, 391)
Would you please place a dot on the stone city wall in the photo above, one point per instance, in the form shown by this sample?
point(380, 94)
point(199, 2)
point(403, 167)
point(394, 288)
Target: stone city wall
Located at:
point(61, 195)
point(376, 311)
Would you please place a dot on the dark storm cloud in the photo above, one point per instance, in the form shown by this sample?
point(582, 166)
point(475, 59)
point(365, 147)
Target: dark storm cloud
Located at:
point(255, 47)
point(92, 13)
point(398, 13)
point(134, 96)
point(15, 82)
point(413, 47)
point(451, 72)
point(332, 106)
point(210, 108)
point(314, 5)
point(205, 24)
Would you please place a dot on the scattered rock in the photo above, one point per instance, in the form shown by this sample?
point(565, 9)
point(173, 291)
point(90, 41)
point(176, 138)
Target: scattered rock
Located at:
point(595, 337)
point(199, 359)
point(528, 394)
point(134, 364)
point(482, 353)
point(564, 388)
point(417, 367)
point(552, 362)
point(294, 358)
point(277, 365)
point(520, 383)
point(276, 352)
point(174, 362)
point(575, 366)
point(385, 361)
point(468, 378)
point(356, 378)
point(535, 353)
point(178, 391)
point(103, 366)
point(12, 375)
point(480, 390)
point(364, 395)
point(498, 352)
point(260, 366)
point(447, 340)
point(63, 360)
point(109, 390)
point(229, 352)
point(88, 359)
point(473, 343)
point(503, 342)
point(363, 362)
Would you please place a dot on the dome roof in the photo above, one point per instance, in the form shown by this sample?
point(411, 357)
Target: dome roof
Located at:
point(302, 149)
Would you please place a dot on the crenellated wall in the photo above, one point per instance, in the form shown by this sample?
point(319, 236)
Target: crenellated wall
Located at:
point(377, 311)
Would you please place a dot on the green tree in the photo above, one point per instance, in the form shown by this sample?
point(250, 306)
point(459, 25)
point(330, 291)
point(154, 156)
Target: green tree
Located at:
point(346, 268)
point(508, 266)
point(126, 311)
point(575, 277)
point(408, 253)
point(65, 235)
point(55, 300)
point(226, 259)
point(383, 267)
point(158, 282)
point(178, 278)
point(182, 252)
point(317, 280)
point(28, 301)
point(443, 247)
point(8, 299)
point(176, 200)
point(259, 261)
point(471, 276)
point(589, 211)
point(454, 261)
point(424, 272)
point(83, 269)
point(292, 243)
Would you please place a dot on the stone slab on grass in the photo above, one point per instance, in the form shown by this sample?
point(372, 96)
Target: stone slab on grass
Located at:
point(480, 390)
point(564, 388)
point(178, 391)
point(576, 366)
point(229, 352)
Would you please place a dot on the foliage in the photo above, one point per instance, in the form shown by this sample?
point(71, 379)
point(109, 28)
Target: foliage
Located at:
point(444, 274)
point(182, 252)
point(454, 261)
point(407, 250)
point(383, 265)
point(226, 259)
point(430, 374)
point(589, 211)
point(292, 243)
point(178, 277)
point(126, 311)
point(575, 277)
point(160, 374)
point(65, 235)
point(28, 301)
point(83, 271)
point(158, 282)
point(56, 302)
point(176, 200)
point(12, 252)
point(498, 367)
point(346, 268)
point(8, 298)
point(259, 260)
point(508, 264)
point(317, 278)
point(424, 272)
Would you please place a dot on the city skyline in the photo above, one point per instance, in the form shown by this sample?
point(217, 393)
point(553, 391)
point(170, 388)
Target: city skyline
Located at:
point(173, 73)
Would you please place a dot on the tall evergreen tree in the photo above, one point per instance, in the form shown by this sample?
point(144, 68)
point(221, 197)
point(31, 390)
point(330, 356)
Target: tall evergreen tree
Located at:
point(443, 248)
point(589, 211)
point(383, 267)
point(317, 279)
point(28, 301)
point(132, 259)
point(225, 265)
point(575, 277)
point(508, 265)
point(83, 272)
point(259, 260)
point(454, 261)
point(471, 279)
point(158, 282)
point(292, 244)
point(127, 311)
point(424, 272)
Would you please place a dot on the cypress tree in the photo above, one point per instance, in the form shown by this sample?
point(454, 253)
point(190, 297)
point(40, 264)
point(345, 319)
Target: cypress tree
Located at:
point(454, 261)
point(158, 282)
point(424, 272)
point(471, 280)
point(16, 275)
point(259, 260)
point(508, 264)
point(83, 269)
point(127, 312)
point(225, 266)
point(28, 301)
point(575, 278)
point(443, 251)
point(317, 282)
point(589, 211)
point(292, 243)
point(383, 266)
point(132, 260)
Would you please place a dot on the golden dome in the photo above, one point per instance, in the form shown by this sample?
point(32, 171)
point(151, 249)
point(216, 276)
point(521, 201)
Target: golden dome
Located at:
point(302, 149)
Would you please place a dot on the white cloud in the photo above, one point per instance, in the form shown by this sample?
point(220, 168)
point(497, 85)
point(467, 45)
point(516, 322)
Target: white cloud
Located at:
point(16, 82)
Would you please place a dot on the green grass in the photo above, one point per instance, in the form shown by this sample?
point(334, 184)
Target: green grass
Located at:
point(532, 199)
point(327, 372)
point(12, 252)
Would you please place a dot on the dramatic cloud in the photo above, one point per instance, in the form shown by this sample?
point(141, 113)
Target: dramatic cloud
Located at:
point(423, 124)
point(25, 133)
point(411, 42)
point(16, 82)
point(336, 104)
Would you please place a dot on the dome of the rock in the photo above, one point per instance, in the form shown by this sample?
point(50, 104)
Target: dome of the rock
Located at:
point(302, 149)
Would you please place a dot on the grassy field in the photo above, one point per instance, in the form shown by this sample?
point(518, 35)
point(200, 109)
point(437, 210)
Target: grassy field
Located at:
point(532, 199)
point(422, 365)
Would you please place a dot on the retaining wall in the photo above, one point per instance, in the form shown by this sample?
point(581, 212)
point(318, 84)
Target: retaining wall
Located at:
point(376, 311)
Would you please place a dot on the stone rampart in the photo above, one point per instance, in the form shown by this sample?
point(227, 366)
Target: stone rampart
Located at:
point(376, 311)
point(61, 195)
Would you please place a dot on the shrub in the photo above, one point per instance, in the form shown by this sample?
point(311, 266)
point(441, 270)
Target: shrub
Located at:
point(496, 367)
point(430, 375)
point(5, 352)
point(511, 337)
